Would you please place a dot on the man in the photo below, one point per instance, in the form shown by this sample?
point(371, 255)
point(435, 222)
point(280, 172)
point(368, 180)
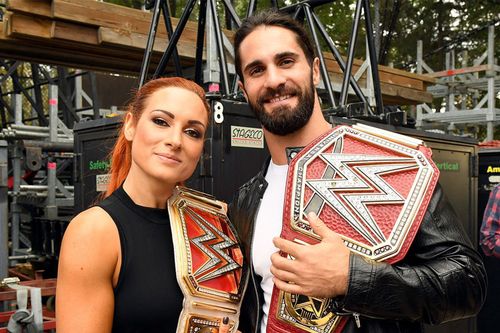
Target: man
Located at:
point(489, 236)
point(441, 278)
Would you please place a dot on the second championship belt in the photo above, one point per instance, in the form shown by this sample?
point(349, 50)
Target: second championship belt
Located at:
point(370, 186)
point(208, 262)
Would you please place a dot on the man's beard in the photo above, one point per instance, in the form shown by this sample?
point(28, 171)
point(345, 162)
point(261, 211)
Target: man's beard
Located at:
point(285, 120)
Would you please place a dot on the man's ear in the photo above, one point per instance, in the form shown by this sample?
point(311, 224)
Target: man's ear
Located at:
point(129, 126)
point(242, 87)
point(316, 72)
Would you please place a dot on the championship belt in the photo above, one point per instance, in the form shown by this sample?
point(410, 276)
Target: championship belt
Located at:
point(208, 262)
point(370, 186)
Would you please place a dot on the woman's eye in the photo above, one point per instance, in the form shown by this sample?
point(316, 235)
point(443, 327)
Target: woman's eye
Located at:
point(160, 121)
point(193, 133)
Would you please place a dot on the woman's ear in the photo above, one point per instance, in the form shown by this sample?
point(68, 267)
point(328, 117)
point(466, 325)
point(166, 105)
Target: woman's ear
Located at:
point(129, 126)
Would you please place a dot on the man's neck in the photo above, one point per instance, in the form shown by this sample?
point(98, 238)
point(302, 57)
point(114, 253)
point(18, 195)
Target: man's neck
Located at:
point(277, 145)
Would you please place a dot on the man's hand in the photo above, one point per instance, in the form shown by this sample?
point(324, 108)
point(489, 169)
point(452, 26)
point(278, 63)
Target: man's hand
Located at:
point(319, 270)
point(224, 326)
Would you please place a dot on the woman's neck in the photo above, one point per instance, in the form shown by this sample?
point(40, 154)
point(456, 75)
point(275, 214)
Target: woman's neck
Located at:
point(147, 192)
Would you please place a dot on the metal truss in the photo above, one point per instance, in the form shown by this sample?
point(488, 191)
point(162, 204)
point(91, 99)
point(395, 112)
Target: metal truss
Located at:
point(470, 91)
point(216, 74)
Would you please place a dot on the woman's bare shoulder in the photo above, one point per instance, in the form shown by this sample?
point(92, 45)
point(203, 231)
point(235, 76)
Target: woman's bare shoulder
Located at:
point(92, 232)
point(94, 220)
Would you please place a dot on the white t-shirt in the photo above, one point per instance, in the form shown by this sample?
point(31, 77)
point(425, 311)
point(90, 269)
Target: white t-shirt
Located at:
point(268, 226)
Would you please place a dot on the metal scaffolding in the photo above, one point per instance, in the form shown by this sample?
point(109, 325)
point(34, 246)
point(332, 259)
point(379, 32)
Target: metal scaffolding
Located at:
point(36, 181)
point(470, 92)
point(4, 228)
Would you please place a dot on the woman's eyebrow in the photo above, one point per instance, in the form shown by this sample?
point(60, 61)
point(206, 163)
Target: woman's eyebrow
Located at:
point(171, 115)
point(196, 122)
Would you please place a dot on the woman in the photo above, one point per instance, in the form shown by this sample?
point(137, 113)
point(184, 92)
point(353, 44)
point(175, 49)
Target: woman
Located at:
point(117, 268)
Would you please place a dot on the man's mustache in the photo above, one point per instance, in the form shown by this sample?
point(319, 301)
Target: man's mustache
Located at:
point(279, 91)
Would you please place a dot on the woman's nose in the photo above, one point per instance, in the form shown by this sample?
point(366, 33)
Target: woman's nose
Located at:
point(174, 139)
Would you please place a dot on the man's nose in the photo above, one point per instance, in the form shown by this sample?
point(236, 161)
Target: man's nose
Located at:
point(274, 78)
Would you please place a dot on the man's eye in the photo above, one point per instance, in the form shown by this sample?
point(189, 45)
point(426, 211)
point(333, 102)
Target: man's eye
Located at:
point(286, 62)
point(160, 122)
point(256, 71)
point(193, 133)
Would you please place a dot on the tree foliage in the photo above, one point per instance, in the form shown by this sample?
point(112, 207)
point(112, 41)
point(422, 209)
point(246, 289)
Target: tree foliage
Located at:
point(441, 25)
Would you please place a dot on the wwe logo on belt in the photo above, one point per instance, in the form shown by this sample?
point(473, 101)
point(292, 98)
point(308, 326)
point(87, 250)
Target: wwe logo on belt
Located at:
point(212, 243)
point(357, 182)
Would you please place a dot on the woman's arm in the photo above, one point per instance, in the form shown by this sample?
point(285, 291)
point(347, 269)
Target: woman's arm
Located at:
point(88, 268)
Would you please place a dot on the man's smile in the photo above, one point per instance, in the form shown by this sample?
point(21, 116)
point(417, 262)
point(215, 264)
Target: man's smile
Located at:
point(279, 98)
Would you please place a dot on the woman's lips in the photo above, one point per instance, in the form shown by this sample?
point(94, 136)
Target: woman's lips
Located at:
point(168, 158)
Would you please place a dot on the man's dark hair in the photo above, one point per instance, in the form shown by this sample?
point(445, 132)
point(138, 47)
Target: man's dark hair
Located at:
point(276, 19)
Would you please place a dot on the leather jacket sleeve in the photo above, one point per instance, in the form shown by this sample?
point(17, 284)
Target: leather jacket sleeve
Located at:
point(442, 277)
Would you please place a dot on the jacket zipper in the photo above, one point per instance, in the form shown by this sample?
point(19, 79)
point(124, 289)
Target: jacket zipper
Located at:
point(356, 319)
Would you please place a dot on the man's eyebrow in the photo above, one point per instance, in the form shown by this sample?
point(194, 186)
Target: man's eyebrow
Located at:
point(252, 64)
point(285, 54)
point(277, 56)
point(171, 115)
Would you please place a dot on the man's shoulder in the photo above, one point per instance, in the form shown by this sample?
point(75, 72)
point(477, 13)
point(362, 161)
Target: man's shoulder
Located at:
point(253, 184)
point(258, 180)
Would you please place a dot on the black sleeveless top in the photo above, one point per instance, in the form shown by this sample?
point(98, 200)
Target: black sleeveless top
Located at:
point(147, 296)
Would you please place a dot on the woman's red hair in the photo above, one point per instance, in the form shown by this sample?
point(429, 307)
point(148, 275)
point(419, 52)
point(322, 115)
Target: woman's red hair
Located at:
point(121, 156)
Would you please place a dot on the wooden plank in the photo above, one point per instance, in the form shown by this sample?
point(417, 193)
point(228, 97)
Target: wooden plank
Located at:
point(43, 29)
point(26, 29)
point(457, 71)
point(414, 82)
point(120, 10)
point(75, 32)
point(391, 94)
point(416, 97)
point(4, 24)
point(40, 53)
point(358, 62)
point(400, 80)
point(49, 52)
point(32, 7)
point(27, 26)
point(109, 15)
point(397, 95)
point(126, 39)
point(105, 15)
point(422, 77)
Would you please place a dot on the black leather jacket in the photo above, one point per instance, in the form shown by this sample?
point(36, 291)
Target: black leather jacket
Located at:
point(442, 277)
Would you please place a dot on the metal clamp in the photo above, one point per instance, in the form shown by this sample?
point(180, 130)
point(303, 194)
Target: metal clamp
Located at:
point(6, 282)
